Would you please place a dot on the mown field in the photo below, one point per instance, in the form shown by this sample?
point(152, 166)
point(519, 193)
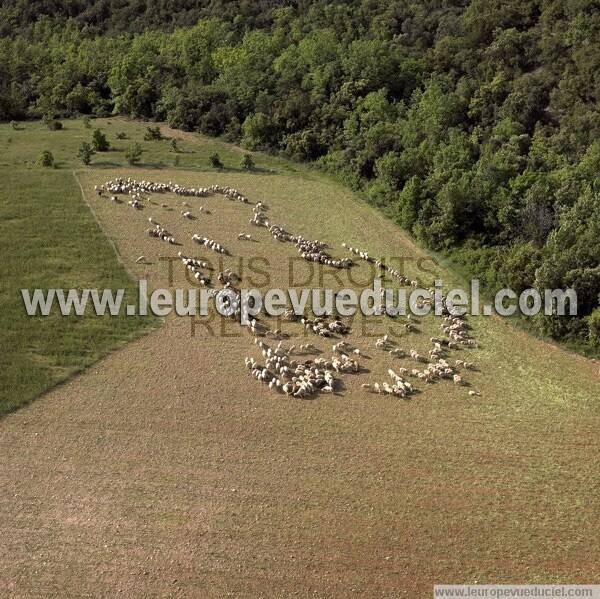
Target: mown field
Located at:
point(166, 470)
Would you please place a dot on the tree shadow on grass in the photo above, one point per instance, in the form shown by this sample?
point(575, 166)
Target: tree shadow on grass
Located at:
point(235, 169)
point(106, 164)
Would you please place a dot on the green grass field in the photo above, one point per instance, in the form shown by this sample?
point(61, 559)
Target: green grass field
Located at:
point(50, 239)
point(209, 485)
point(21, 147)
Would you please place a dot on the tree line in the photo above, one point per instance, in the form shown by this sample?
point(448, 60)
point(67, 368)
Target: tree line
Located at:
point(474, 124)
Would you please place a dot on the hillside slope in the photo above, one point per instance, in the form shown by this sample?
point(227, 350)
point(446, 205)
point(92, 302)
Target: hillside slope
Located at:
point(166, 469)
point(473, 124)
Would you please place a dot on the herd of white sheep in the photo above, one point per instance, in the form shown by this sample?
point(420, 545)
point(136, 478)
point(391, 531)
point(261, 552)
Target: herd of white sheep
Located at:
point(282, 371)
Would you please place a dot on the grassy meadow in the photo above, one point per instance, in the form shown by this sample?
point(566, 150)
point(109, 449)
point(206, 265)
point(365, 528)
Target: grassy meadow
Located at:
point(50, 239)
point(206, 484)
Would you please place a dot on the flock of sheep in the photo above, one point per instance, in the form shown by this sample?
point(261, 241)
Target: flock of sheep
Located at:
point(282, 371)
point(311, 250)
point(298, 379)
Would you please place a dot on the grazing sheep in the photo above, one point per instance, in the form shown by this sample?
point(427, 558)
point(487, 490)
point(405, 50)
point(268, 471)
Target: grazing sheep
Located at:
point(417, 357)
point(337, 326)
point(280, 372)
point(259, 219)
point(161, 233)
point(209, 243)
point(312, 251)
point(397, 352)
point(379, 263)
point(341, 348)
point(228, 277)
point(386, 344)
point(400, 387)
point(289, 315)
point(296, 380)
point(308, 348)
point(195, 267)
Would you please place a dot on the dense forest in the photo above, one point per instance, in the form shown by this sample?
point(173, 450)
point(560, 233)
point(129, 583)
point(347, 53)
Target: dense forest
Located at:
point(474, 124)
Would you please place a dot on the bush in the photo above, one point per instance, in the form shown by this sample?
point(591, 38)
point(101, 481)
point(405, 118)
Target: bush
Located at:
point(46, 158)
point(594, 328)
point(121, 135)
point(586, 283)
point(153, 134)
point(14, 125)
point(49, 121)
point(99, 141)
point(87, 123)
point(566, 328)
point(517, 266)
point(259, 132)
point(233, 130)
point(133, 154)
point(304, 145)
point(173, 145)
point(215, 161)
point(247, 162)
point(85, 152)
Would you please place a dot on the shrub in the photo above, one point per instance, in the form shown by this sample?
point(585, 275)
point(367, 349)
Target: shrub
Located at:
point(49, 121)
point(586, 283)
point(14, 125)
point(99, 141)
point(233, 130)
point(304, 145)
point(594, 327)
point(173, 145)
point(153, 134)
point(87, 123)
point(133, 154)
point(46, 158)
point(247, 162)
point(259, 131)
point(121, 135)
point(85, 152)
point(215, 161)
point(518, 265)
